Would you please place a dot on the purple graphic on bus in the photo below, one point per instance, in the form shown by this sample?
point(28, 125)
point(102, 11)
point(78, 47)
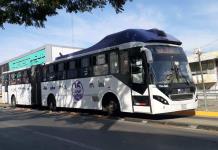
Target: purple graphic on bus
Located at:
point(77, 90)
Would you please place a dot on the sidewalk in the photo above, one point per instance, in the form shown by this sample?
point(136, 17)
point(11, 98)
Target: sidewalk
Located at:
point(190, 122)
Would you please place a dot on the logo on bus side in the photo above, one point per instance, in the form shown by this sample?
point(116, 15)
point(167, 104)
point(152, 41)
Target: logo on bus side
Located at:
point(77, 90)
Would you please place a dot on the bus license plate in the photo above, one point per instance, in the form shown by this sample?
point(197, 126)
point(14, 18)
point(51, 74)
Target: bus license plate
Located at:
point(184, 106)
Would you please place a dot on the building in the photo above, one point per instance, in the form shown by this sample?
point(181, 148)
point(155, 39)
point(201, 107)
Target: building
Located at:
point(209, 63)
point(41, 55)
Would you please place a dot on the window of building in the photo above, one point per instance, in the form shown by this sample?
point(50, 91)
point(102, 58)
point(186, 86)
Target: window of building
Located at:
point(124, 62)
point(211, 64)
point(195, 69)
point(211, 67)
point(100, 65)
point(204, 65)
point(114, 63)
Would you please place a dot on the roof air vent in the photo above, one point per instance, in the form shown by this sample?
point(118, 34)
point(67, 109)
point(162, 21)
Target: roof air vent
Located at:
point(158, 32)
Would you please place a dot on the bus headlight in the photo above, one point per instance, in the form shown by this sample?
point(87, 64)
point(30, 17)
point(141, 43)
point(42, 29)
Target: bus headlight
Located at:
point(160, 99)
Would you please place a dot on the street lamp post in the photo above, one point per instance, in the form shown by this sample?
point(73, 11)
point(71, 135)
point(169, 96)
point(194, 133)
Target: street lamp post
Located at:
point(198, 52)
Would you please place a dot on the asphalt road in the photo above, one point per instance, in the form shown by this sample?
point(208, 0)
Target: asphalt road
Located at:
point(41, 130)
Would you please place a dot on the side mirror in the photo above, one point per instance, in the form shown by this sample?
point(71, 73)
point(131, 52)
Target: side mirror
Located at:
point(148, 54)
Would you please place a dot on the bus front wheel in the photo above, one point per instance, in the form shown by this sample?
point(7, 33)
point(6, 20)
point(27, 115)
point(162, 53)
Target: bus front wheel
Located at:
point(13, 101)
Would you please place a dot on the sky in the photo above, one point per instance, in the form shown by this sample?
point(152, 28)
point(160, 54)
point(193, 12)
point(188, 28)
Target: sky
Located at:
point(194, 22)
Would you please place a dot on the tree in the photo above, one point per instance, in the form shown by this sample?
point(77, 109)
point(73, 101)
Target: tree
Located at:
point(35, 12)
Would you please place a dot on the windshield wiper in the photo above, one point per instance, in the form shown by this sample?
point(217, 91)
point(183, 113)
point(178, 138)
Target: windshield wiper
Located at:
point(188, 82)
point(178, 72)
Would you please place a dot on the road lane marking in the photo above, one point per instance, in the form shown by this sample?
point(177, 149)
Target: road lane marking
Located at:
point(79, 144)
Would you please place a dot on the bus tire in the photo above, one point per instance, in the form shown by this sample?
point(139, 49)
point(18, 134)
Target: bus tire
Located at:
point(51, 103)
point(13, 101)
point(110, 104)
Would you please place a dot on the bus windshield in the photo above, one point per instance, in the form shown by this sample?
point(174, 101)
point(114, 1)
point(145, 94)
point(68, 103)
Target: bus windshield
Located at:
point(170, 65)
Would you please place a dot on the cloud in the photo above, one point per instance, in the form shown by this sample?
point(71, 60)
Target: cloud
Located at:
point(194, 26)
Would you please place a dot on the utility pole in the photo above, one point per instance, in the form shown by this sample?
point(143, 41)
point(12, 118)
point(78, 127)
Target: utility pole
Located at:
point(198, 52)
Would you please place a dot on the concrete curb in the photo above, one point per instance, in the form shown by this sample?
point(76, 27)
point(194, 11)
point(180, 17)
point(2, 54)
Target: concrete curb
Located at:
point(187, 125)
point(196, 113)
point(206, 114)
point(172, 123)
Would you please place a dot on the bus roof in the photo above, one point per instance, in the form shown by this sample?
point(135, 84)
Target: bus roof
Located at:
point(126, 36)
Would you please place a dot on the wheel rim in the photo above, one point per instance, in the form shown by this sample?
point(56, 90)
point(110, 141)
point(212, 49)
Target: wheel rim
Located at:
point(112, 107)
point(51, 106)
point(13, 103)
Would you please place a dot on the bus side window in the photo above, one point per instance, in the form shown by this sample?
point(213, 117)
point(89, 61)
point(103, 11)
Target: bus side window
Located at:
point(85, 67)
point(5, 79)
point(51, 74)
point(44, 73)
point(124, 62)
point(61, 71)
point(114, 63)
point(9, 79)
point(72, 71)
point(100, 64)
point(19, 77)
point(25, 77)
point(13, 78)
point(137, 71)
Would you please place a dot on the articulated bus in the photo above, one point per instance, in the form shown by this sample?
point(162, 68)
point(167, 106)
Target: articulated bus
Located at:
point(135, 71)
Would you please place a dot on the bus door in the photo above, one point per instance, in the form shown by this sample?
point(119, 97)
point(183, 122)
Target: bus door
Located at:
point(139, 83)
point(35, 77)
point(5, 92)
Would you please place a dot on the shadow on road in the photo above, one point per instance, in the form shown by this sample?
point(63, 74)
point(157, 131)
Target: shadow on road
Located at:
point(46, 137)
point(22, 113)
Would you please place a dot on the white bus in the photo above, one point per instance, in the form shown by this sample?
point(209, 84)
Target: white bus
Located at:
point(135, 70)
point(22, 87)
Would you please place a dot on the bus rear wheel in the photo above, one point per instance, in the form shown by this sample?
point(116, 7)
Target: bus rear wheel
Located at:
point(13, 101)
point(113, 108)
point(51, 103)
point(111, 105)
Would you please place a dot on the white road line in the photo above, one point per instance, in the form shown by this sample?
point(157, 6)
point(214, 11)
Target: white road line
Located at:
point(79, 144)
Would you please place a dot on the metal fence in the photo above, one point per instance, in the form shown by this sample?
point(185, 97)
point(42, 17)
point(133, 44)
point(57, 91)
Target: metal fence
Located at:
point(210, 103)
